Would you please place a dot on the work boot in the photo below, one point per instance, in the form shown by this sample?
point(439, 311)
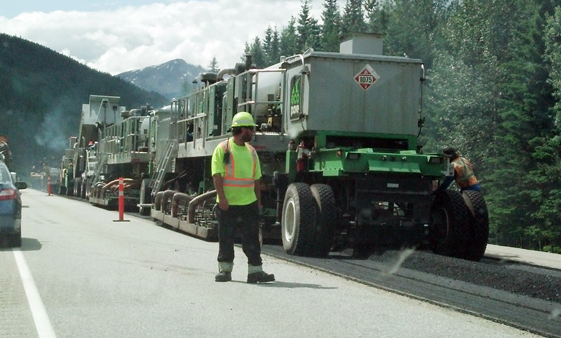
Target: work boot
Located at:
point(255, 274)
point(223, 276)
point(260, 277)
point(224, 272)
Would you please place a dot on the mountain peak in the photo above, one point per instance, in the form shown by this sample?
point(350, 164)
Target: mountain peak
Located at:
point(167, 78)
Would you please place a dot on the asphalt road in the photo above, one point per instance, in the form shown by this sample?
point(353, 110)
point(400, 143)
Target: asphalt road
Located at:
point(519, 295)
point(79, 273)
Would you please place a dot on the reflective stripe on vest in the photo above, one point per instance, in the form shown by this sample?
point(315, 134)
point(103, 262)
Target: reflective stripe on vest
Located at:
point(465, 175)
point(229, 179)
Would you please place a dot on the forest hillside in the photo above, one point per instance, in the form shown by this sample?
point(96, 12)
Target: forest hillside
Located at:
point(41, 97)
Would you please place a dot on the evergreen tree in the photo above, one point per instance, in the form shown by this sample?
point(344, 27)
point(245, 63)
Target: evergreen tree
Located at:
point(547, 151)
point(522, 122)
point(274, 56)
point(414, 27)
point(213, 65)
point(288, 40)
point(246, 51)
point(377, 15)
point(308, 29)
point(257, 53)
point(271, 46)
point(353, 18)
point(331, 28)
point(553, 58)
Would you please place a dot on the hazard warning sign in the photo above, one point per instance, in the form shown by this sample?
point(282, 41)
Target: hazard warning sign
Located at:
point(366, 77)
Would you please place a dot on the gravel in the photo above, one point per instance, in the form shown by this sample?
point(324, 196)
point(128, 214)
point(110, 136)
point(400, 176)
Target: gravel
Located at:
point(541, 283)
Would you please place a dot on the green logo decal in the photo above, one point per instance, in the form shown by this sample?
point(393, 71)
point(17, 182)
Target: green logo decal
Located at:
point(295, 95)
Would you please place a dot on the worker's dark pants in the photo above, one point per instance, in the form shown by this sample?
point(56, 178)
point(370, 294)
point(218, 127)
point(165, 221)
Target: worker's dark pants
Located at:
point(246, 218)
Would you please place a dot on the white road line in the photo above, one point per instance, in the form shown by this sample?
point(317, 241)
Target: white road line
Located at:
point(42, 322)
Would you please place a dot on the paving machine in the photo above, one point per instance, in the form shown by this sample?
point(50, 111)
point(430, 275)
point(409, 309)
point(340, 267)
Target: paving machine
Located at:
point(337, 139)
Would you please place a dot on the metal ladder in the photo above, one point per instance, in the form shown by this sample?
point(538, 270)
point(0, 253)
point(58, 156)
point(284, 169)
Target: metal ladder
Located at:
point(163, 164)
point(98, 168)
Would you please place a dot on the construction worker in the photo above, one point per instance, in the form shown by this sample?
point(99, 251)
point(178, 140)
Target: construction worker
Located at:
point(236, 171)
point(463, 172)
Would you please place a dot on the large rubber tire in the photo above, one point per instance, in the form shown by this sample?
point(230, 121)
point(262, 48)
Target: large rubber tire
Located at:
point(325, 219)
point(70, 188)
point(84, 188)
point(449, 227)
point(479, 226)
point(298, 220)
point(77, 187)
point(15, 240)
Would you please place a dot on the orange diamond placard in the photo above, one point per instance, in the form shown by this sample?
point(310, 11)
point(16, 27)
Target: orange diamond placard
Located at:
point(366, 77)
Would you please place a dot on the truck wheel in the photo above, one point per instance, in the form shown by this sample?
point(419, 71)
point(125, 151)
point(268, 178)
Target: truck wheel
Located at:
point(325, 219)
point(70, 189)
point(479, 225)
point(83, 188)
point(298, 220)
point(78, 187)
point(449, 227)
point(88, 190)
point(15, 240)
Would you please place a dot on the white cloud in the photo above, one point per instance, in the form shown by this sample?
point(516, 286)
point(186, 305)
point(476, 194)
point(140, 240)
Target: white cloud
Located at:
point(136, 37)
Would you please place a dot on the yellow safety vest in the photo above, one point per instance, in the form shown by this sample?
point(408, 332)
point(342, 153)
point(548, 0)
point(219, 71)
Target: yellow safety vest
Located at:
point(239, 174)
point(229, 178)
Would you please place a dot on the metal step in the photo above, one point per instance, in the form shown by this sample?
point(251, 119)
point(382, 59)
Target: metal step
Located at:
point(163, 165)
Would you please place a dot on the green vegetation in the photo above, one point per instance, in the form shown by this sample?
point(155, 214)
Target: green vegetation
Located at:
point(493, 92)
point(41, 97)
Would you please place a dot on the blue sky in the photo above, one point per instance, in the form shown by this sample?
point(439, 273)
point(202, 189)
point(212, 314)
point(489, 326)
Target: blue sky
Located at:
point(115, 36)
